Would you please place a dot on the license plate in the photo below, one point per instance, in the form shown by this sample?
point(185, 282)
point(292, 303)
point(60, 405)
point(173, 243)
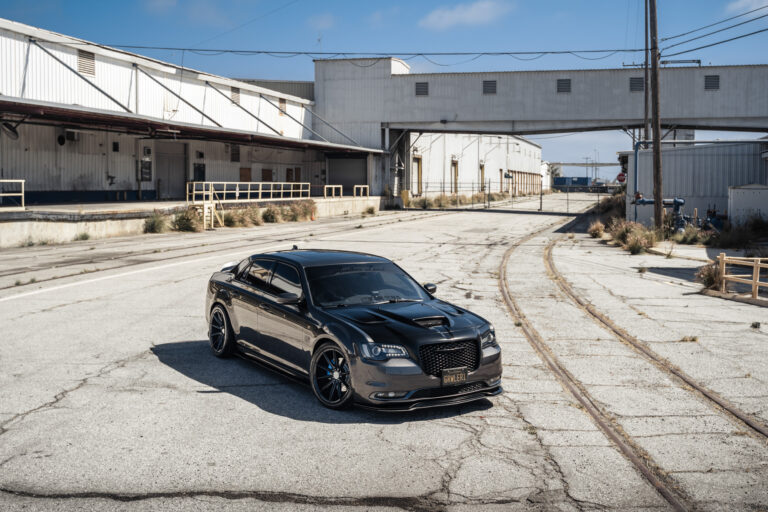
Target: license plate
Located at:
point(454, 376)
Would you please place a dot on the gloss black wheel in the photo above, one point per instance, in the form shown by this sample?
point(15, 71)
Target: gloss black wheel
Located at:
point(220, 332)
point(331, 380)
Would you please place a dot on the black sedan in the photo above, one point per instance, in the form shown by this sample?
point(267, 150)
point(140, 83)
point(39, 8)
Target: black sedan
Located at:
point(357, 326)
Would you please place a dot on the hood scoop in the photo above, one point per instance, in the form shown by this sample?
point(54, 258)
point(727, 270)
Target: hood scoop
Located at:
point(431, 321)
point(366, 318)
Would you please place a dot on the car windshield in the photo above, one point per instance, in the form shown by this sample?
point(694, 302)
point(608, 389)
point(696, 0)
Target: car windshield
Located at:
point(362, 283)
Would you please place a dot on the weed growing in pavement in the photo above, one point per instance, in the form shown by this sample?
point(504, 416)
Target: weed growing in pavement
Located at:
point(709, 276)
point(518, 323)
point(82, 236)
point(359, 226)
point(32, 280)
point(669, 252)
point(154, 223)
point(755, 325)
point(185, 221)
point(271, 214)
point(642, 270)
point(370, 211)
point(596, 229)
point(690, 338)
point(570, 236)
point(17, 283)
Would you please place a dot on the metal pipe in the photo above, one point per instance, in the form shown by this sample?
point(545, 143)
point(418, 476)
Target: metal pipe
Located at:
point(289, 115)
point(242, 108)
point(353, 141)
point(102, 91)
point(179, 97)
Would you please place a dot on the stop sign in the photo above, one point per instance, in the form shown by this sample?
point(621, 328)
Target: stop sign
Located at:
point(621, 178)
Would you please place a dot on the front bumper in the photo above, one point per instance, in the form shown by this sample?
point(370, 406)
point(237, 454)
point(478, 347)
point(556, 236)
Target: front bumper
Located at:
point(416, 389)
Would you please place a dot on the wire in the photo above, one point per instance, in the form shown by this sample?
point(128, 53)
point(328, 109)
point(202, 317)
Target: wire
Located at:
point(716, 31)
point(713, 24)
point(716, 43)
point(260, 16)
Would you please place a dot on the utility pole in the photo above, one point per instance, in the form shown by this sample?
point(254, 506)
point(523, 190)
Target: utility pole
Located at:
point(646, 127)
point(657, 190)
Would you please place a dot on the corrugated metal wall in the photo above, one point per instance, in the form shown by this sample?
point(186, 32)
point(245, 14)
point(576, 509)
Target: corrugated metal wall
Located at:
point(699, 174)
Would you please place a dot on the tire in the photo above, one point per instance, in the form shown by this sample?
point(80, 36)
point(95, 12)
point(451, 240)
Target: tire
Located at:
point(220, 334)
point(330, 377)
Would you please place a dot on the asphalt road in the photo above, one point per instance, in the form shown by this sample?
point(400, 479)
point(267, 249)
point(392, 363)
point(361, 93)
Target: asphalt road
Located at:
point(111, 400)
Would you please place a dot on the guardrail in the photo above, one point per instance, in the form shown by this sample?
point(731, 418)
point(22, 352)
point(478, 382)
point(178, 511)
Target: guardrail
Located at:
point(20, 194)
point(223, 192)
point(333, 189)
point(361, 191)
point(752, 280)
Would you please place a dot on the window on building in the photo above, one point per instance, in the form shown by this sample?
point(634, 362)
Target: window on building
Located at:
point(283, 106)
point(489, 86)
point(636, 84)
point(563, 85)
point(234, 153)
point(422, 88)
point(711, 82)
point(235, 95)
point(86, 62)
point(115, 147)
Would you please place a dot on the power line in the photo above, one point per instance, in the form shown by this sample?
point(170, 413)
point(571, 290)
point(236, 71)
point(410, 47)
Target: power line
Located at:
point(713, 24)
point(717, 43)
point(260, 16)
point(716, 31)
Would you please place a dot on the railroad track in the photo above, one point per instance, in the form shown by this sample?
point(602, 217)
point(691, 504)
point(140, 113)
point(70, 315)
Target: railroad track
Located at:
point(716, 401)
point(636, 455)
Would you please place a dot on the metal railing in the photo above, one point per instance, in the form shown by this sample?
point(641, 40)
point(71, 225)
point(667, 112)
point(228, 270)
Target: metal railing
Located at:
point(15, 205)
point(361, 191)
point(223, 192)
point(333, 190)
point(753, 280)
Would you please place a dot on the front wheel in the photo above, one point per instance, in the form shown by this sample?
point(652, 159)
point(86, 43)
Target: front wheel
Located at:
point(220, 332)
point(330, 374)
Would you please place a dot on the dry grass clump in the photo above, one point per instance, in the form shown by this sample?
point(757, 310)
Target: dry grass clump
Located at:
point(612, 206)
point(298, 210)
point(692, 235)
point(271, 214)
point(596, 229)
point(185, 221)
point(154, 224)
point(423, 202)
point(710, 276)
point(633, 236)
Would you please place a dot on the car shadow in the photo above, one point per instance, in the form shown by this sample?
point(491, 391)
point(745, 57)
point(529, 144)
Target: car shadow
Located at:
point(277, 393)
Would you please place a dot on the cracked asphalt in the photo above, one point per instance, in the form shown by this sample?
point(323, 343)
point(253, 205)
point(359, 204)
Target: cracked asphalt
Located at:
point(111, 400)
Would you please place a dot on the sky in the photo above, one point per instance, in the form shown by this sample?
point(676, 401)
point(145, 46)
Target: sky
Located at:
point(409, 26)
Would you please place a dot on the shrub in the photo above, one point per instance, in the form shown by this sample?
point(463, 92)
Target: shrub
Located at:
point(254, 216)
point(441, 201)
point(709, 276)
point(185, 221)
point(271, 214)
point(370, 211)
point(423, 202)
point(308, 208)
point(639, 239)
point(154, 223)
point(596, 229)
point(612, 206)
point(82, 236)
point(689, 236)
point(229, 219)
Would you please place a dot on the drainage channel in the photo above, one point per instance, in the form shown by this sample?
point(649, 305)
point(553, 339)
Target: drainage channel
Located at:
point(641, 460)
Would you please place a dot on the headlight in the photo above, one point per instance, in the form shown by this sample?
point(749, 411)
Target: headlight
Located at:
point(381, 352)
point(488, 339)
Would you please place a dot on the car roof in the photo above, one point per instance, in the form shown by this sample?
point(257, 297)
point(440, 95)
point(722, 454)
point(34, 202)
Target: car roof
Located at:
point(320, 257)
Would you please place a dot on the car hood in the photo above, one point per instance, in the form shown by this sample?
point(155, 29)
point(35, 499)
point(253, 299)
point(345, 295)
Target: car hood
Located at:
point(412, 323)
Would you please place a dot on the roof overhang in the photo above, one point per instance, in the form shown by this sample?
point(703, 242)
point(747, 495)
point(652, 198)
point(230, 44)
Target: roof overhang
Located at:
point(92, 118)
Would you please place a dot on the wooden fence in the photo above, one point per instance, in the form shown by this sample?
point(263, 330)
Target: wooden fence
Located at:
point(753, 279)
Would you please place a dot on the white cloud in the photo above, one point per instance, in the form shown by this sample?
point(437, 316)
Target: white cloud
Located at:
point(383, 16)
point(477, 13)
point(745, 5)
point(321, 21)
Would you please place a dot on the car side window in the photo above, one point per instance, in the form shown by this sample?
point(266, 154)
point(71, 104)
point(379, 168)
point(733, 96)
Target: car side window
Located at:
point(257, 275)
point(286, 279)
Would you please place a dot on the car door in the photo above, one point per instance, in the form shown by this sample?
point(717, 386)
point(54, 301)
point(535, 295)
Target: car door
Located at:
point(247, 300)
point(284, 329)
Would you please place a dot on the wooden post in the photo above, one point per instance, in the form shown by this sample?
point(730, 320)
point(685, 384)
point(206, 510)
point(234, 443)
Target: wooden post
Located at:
point(656, 115)
point(721, 265)
point(755, 276)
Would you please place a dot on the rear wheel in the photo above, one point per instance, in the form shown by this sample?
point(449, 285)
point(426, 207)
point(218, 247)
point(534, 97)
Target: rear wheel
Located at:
point(330, 374)
point(220, 332)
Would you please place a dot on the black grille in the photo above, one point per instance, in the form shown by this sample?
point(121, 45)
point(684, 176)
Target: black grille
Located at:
point(431, 321)
point(448, 391)
point(563, 85)
point(711, 82)
point(439, 356)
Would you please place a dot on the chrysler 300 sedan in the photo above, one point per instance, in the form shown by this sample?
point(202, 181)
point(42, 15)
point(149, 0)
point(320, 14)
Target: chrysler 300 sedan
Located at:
point(356, 326)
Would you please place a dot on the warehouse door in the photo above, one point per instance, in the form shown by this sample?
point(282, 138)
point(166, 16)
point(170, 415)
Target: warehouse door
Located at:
point(171, 176)
point(347, 172)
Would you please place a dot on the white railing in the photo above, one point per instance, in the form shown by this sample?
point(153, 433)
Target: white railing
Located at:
point(752, 279)
point(20, 194)
point(361, 190)
point(223, 192)
point(333, 189)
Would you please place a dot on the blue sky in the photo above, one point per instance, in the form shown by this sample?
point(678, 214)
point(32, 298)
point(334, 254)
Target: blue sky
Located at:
point(399, 26)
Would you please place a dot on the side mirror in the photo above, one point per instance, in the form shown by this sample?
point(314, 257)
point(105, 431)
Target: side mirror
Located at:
point(288, 298)
point(229, 267)
point(431, 288)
